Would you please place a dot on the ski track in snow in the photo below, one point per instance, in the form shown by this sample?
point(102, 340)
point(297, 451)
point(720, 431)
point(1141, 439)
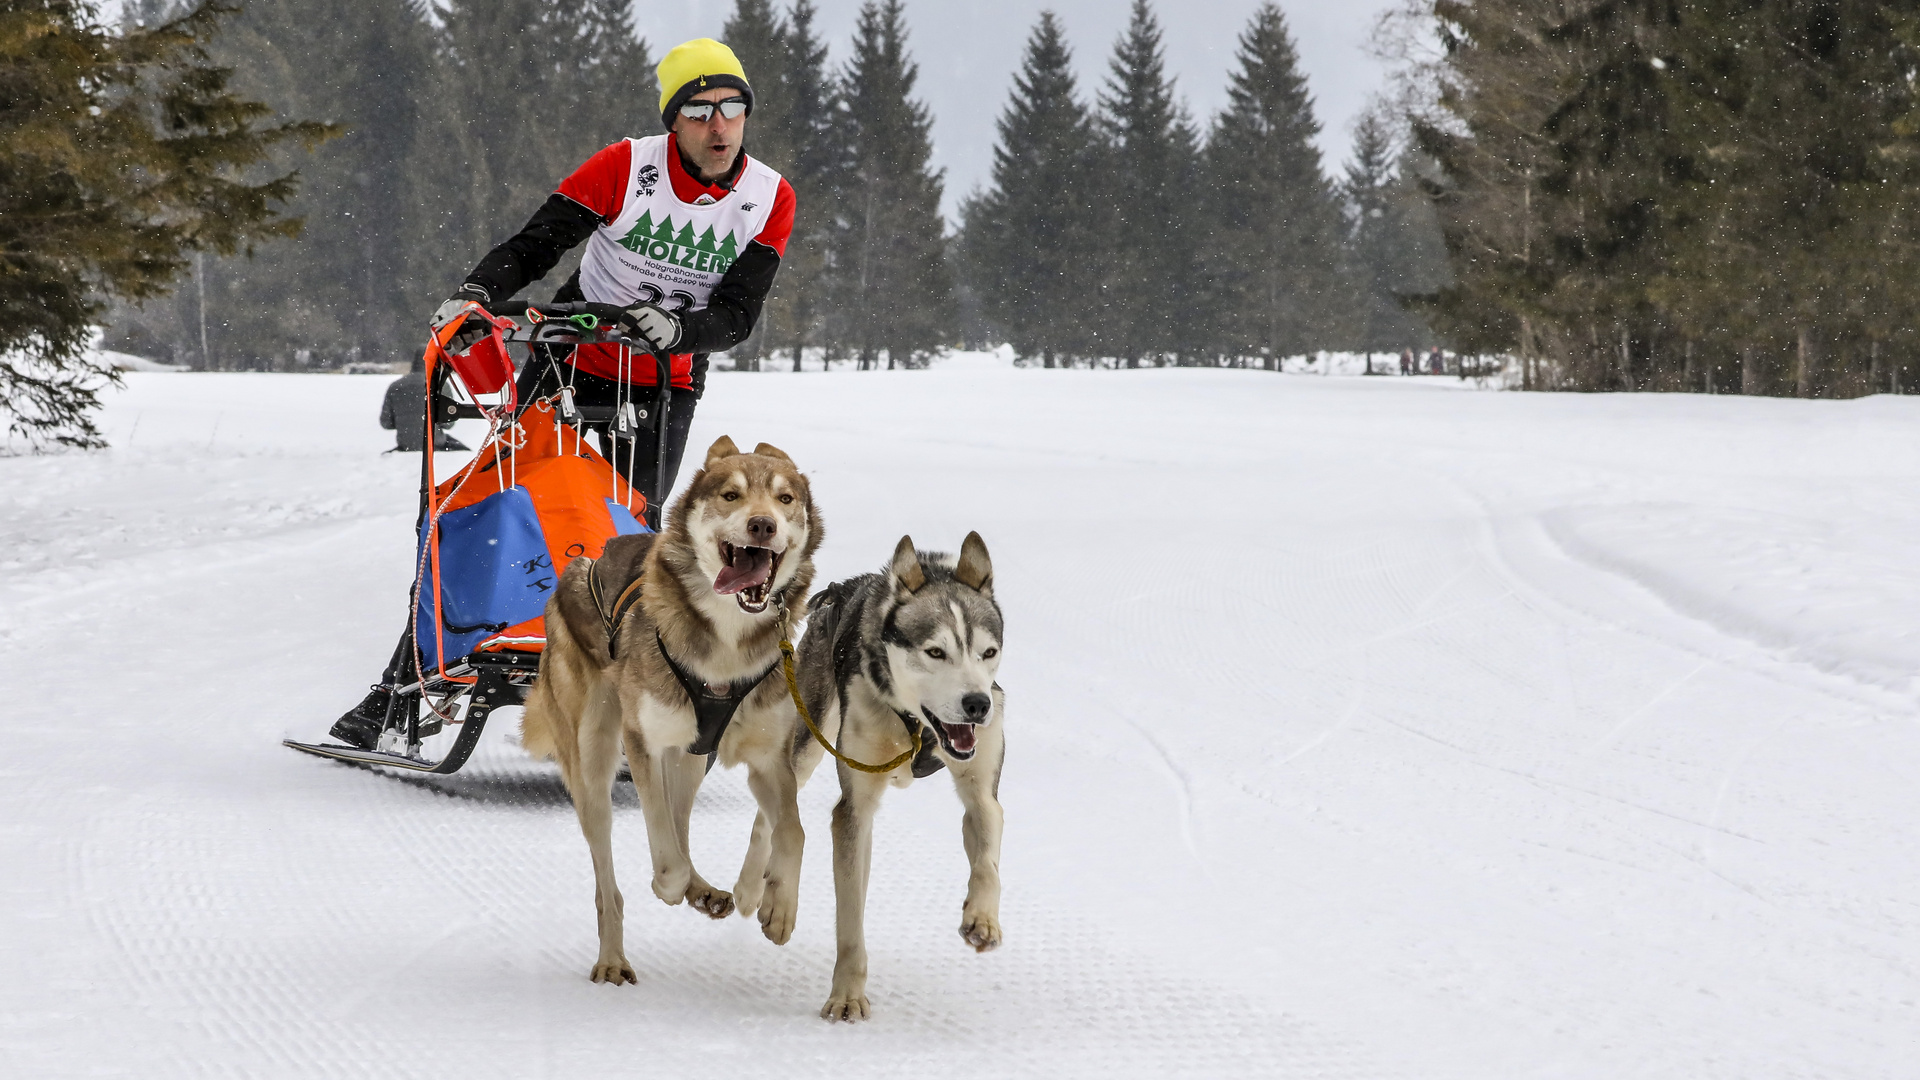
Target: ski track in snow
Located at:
point(1357, 730)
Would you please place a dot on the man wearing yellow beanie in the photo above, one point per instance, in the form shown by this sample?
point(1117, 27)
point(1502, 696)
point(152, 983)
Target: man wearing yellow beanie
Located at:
point(683, 230)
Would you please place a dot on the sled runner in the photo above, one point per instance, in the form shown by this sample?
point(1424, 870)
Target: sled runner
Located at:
point(495, 536)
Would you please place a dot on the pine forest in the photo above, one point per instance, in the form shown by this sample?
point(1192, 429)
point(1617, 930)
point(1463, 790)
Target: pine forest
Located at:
point(1711, 196)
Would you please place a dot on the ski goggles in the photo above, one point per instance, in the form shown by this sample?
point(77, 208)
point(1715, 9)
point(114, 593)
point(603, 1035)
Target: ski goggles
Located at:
point(700, 112)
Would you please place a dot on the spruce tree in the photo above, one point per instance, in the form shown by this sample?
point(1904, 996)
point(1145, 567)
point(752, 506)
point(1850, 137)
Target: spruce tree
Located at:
point(529, 89)
point(1032, 240)
point(1369, 177)
point(341, 291)
point(1693, 197)
point(758, 37)
point(119, 157)
point(1393, 242)
point(1495, 210)
point(890, 249)
point(1805, 182)
point(1274, 257)
point(817, 170)
point(1153, 279)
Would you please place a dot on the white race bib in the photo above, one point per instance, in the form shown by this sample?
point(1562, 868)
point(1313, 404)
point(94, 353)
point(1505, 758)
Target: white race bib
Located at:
point(670, 252)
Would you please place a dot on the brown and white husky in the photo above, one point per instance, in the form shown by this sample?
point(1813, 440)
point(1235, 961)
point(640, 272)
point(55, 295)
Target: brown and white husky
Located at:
point(668, 646)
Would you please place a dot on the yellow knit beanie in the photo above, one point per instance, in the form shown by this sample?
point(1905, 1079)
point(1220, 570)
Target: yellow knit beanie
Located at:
point(693, 66)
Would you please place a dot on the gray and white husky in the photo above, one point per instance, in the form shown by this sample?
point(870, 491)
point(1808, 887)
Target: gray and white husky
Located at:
point(913, 648)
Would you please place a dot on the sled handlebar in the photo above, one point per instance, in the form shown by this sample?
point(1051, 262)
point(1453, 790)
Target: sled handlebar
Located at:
point(571, 323)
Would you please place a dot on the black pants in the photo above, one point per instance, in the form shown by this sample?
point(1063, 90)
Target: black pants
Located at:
point(633, 458)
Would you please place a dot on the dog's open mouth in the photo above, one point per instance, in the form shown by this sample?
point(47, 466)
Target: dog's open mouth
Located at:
point(957, 738)
point(747, 575)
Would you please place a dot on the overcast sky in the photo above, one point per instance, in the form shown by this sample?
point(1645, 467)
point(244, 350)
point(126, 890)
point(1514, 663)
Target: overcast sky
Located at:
point(968, 52)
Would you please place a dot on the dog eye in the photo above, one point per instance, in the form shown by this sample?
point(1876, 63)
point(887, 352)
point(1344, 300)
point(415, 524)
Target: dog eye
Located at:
point(786, 498)
point(937, 654)
point(731, 496)
point(990, 654)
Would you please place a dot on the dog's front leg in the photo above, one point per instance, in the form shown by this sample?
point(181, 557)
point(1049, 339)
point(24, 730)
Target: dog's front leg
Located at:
point(777, 790)
point(672, 870)
point(752, 882)
point(979, 789)
point(852, 860)
point(591, 786)
point(684, 773)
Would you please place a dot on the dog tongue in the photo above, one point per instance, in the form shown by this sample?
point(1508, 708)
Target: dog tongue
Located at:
point(751, 566)
point(960, 735)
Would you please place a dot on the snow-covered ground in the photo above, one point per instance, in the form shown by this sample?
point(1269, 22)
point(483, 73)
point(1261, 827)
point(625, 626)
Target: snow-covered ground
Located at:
point(1357, 729)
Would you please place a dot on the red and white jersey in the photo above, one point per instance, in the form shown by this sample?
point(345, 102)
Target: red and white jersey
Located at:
point(666, 237)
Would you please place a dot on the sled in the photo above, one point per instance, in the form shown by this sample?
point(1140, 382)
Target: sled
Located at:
point(494, 537)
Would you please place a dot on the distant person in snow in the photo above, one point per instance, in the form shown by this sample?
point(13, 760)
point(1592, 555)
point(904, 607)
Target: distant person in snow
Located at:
point(684, 230)
point(404, 412)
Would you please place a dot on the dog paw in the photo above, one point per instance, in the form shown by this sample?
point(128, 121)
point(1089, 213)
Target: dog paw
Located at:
point(849, 1007)
point(747, 894)
point(671, 883)
point(709, 901)
point(778, 910)
point(981, 931)
point(614, 971)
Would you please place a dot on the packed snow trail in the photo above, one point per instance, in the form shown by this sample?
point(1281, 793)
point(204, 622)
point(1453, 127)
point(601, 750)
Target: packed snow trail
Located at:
point(1357, 728)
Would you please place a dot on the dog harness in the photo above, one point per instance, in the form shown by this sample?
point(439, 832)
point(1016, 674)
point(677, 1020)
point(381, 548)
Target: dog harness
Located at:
point(621, 605)
point(713, 707)
point(926, 762)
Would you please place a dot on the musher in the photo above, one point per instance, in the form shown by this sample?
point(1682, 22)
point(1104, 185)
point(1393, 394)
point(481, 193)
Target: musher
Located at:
point(683, 230)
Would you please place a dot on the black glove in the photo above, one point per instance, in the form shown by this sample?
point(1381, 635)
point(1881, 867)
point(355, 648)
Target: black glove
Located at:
point(470, 331)
point(653, 324)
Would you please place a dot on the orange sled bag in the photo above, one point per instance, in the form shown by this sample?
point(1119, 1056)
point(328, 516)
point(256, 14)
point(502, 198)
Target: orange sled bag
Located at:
point(534, 499)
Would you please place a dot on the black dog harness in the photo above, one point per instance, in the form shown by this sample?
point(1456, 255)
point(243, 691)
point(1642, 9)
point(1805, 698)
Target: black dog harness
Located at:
point(926, 762)
point(713, 709)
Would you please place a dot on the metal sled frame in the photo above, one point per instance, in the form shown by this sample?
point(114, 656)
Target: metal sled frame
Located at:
point(497, 679)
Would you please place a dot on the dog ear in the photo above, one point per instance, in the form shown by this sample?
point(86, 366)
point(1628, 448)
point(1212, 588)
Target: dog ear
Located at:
point(772, 451)
point(975, 568)
point(722, 448)
point(906, 566)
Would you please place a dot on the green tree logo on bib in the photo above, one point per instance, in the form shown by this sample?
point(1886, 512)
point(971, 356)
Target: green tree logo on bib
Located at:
point(666, 243)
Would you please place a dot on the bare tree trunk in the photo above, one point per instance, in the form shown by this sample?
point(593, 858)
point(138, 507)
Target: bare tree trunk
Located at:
point(1802, 362)
point(1875, 369)
point(1526, 353)
point(1626, 361)
point(200, 285)
point(1687, 373)
point(1749, 371)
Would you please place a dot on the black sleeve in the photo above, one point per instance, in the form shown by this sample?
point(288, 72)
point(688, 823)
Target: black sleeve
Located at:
point(554, 229)
point(734, 306)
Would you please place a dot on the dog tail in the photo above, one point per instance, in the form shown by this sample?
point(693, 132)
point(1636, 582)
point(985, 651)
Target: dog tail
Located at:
point(536, 731)
point(536, 722)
